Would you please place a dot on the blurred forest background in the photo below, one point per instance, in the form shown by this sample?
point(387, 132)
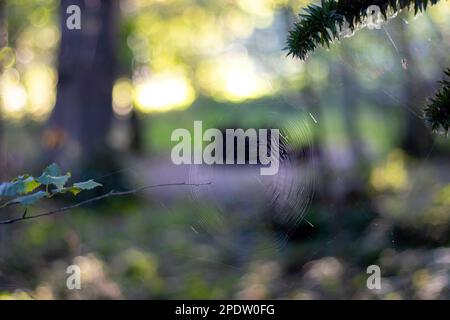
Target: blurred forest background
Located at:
point(103, 101)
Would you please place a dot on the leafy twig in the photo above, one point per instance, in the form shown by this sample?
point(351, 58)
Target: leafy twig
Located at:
point(104, 196)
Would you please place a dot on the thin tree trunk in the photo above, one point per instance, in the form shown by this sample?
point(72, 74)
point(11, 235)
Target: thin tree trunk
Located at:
point(3, 43)
point(80, 122)
point(417, 139)
point(350, 99)
point(4, 235)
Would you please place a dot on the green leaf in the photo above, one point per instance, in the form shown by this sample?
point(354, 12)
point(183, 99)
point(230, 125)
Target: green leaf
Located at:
point(78, 187)
point(87, 185)
point(29, 199)
point(29, 184)
point(52, 176)
point(53, 170)
point(21, 185)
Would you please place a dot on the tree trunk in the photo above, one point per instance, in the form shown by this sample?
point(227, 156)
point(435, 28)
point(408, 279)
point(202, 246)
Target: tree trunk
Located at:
point(417, 139)
point(3, 43)
point(349, 104)
point(80, 122)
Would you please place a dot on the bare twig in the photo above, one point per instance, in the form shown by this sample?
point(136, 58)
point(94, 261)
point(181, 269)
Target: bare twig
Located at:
point(104, 196)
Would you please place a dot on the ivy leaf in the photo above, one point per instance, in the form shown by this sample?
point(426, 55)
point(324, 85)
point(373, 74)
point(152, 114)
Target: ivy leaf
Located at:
point(29, 199)
point(52, 176)
point(80, 186)
point(21, 185)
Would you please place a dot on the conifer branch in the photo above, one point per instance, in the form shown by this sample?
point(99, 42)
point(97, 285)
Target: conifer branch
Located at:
point(322, 24)
point(437, 112)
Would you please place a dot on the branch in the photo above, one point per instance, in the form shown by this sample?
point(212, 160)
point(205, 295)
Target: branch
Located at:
point(104, 196)
point(320, 25)
point(437, 112)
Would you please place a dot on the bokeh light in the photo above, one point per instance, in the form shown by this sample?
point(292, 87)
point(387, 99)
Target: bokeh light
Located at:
point(233, 77)
point(122, 97)
point(164, 92)
point(14, 96)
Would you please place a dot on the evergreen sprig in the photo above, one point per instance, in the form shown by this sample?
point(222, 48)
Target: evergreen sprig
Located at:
point(317, 25)
point(320, 25)
point(438, 111)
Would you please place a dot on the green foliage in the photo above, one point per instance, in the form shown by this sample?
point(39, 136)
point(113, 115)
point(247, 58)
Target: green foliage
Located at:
point(438, 111)
point(22, 190)
point(320, 25)
point(80, 186)
point(52, 176)
point(20, 185)
point(29, 199)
